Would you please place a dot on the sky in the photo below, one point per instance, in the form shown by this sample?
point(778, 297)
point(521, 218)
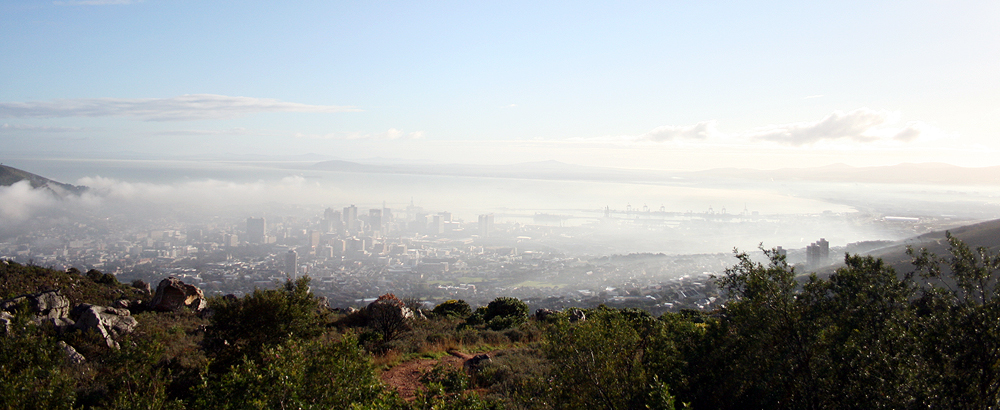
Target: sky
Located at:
point(655, 85)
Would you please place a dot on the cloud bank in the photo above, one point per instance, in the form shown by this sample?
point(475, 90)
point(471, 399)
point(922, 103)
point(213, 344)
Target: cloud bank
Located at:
point(36, 128)
point(856, 125)
point(182, 108)
point(700, 131)
point(862, 125)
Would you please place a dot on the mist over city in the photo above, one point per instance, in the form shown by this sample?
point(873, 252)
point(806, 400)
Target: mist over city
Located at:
point(431, 186)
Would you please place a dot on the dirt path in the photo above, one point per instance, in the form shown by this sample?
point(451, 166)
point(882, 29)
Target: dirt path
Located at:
point(405, 377)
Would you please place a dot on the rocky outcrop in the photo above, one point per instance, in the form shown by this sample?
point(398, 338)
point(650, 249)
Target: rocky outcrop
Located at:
point(172, 295)
point(106, 321)
point(47, 307)
point(6, 319)
point(544, 314)
point(71, 354)
point(576, 315)
point(389, 307)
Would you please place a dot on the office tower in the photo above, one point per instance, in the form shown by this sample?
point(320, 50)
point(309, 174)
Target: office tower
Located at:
point(314, 237)
point(485, 225)
point(351, 219)
point(256, 230)
point(375, 220)
point(824, 251)
point(291, 263)
point(437, 225)
point(812, 255)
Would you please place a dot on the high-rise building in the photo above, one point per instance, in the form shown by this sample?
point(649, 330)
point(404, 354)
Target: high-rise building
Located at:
point(314, 237)
point(291, 263)
point(375, 220)
point(812, 255)
point(351, 219)
point(437, 225)
point(824, 251)
point(485, 225)
point(256, 230)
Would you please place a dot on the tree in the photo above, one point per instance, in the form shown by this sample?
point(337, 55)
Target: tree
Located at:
point(388, 316)
point(262, 319)
point(600, 362)
point(959, 312)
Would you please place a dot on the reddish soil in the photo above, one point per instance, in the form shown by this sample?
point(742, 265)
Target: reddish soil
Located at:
point(405, 377)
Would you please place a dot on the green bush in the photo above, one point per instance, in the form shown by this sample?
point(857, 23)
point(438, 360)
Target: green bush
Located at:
point(298, 374)
point(453, 308)
point(502, 313)
point(33, 372)
point(265, 318)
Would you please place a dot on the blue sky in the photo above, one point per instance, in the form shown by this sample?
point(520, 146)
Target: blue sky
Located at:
point(669, 85)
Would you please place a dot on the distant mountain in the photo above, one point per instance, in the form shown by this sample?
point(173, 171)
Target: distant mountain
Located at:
point(10, 176)
point(925, 173)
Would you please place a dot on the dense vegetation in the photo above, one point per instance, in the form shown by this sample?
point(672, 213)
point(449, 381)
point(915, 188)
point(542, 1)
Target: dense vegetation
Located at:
point(866, 337)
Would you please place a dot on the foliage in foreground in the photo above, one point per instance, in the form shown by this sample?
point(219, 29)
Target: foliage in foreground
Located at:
point(866, 337)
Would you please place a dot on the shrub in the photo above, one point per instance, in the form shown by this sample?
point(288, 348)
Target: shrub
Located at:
point(502, 313)
point(262, 319)
point(453, 308)
point(31, 370)
point(299, 374)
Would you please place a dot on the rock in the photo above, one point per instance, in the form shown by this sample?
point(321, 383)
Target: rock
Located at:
point(389, 307)
point(107, 321)
point(543, 314)
point(172, 295)
point(47, 307)
point(576, 315)
point(477, 362)
point(123, 304)
point(6, 319)
point(71, 354)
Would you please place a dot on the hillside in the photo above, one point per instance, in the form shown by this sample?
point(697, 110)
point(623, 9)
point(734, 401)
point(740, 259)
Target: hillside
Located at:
point(10, 176)
point(986, 234)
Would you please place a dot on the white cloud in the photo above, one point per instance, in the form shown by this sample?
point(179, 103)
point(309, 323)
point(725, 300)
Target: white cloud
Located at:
point(700, 131)
point(36, 128)
point(185, 107)
point(911, 132)
point(858, 125)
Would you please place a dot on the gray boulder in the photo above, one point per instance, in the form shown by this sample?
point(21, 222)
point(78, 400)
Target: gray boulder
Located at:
point(72, 355)
point(107, 321)
point(47, 307)
point(172, 295)
point(576, 315)
point(6, 319)
point(543, 314)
